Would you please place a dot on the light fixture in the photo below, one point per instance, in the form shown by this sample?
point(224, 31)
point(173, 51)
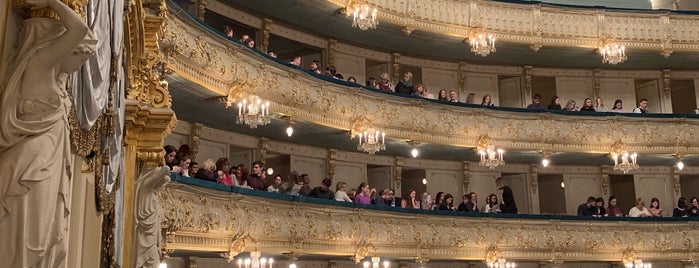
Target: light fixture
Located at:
point(290, 126)
point(680, 164)
point(252, 111)
point(612, 52)
point(563, 184)
point(364, 16)
point(424, 181)
point(545, 162)
point(624, 160)
point(371, 141)
point(414, 152)
point(292, 265)
point(501, 263)
point(490, 156)
point(289, 130)
point(638, 263)
point(482, 43)
point(270, 171)
point(162, 265)
point(258, 262)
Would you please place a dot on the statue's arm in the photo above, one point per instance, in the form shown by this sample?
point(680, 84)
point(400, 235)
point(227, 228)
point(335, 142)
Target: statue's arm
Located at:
point(76, 30)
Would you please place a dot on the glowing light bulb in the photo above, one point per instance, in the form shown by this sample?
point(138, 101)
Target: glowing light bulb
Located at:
point(545, 162)
point(289, 131)
point(414, 152)
point(680, 165)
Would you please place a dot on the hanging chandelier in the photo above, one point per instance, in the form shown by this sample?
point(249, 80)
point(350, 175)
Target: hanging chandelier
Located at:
point(482, 43)
point(501, 263)
point(490, 156)
point(252, 111)
point(612, 53)
point(638, 264)
point(371, 141)
point(364, 17)
point(624, 160)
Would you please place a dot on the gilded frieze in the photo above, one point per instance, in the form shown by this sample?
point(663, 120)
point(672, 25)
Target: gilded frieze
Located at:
point(296, 94)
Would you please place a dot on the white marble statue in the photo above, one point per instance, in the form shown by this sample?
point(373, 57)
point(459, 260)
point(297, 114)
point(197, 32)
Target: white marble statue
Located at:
point(148, 236)
point(35, 155)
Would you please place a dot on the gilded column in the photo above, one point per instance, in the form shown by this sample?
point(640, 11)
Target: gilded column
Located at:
point(399, 174)
point(201, 9)
point(191, 262)
point(596, 83)
point(676, 182)
point(332, 264)
point(527, 85)
point(466, 177)
point(463, 67)
point(605, 180)
point(262, 150)
point(395, 65)
point(332, 158)
point(534, 170)
point(666, 102)
point(265, 30)
point(194, 137)
point(332, 47)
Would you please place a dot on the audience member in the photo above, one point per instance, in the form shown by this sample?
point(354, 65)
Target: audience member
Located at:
point(396, 199)
point(694, 208)
point(491, 205)
point(613, 210)
point(421, 91)
point(170, 153)
point(587, 106)
point(426, 201)
point(208, 171)
point(600, 105)
point(295, 60)
point(471, 98)
point(238, 176)
point(228, 32)
point(385, 199)
point(405, 86)
point(681, 209)
point(438, 200)
point(363, 194)
point(298, 183)
point(352, 79)
point(642, 107)
point(601, 211)
point(385, 83)
point(536, 102)
point(340, 192)
point(618, 107)
point(339, 76)
point(272, 54)
point(371, 82)
point(323, 191)
point(256, 179)
point(639, 210)
point(182, 165)
point(654, 208)
point(463, 204)
point(330, 71)
point(555, 103)
point(193, 168)
point(250, 43)
point(442, 95)
point(448, 203)
point(315, 66)
point(487, 101)
point(274, 186)
point(588, 208)
point(508, 198)
point(306, 186)
point(453, 97)
point(243, 38)
point(410, 200)
point(222, 171)
point(571, 106)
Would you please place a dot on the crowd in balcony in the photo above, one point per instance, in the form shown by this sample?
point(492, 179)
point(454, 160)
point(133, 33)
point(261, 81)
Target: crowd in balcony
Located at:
point(407, 87)
point(221, 171)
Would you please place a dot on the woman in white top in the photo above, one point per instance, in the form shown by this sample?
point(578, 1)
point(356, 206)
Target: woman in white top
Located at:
point(491, 205)
point(639, 210)
point(618, 106)
point(341, 194)
point(600, 105)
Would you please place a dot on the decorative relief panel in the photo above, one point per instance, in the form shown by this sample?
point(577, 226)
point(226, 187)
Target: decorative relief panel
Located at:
point(302, 97)
point(208, 220)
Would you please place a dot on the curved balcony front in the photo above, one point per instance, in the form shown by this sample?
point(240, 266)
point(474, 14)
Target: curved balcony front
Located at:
point(198, 54)
point(206, 216)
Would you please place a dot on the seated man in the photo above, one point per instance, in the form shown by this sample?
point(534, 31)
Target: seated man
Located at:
point(385, 199)
point(323, 191)
point(256, 179)
point(588, 209)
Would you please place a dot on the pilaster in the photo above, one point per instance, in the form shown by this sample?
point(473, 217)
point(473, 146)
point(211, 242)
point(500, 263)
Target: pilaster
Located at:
point(262, 150)
point(332, 159)
point(201, 9)
point(665, 92)
point(527, 85)
point(395, 67)
point(399, 175)
point(265, 30)
point(332, 47)
point(466, 177)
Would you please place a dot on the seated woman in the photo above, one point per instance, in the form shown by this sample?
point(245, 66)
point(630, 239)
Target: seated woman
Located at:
point(600, 211)
point(487, 101)
point(222, 170)
point(448, 203)
point(385, 83)
point(421, 91)
point(341, 192)
point(275, 185)
point(491, 204)
point(613, 210)
point(618, 107)
point(694, 208)
point(681, 209)
point(600, 105)
point(555, 103)
point(442, 96)
point(639, 210)
point(438, 200)
point(363, 194)
point(405, 86)
point(182, 165)
point(587, 106)
point(471, 98)
point(426, 202)
point(410, 200)
point(654, 208)
point(571, 106)
point(207, 171)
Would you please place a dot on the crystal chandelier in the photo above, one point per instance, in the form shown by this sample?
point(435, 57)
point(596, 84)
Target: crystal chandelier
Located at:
point(482, 43)
point(490, 156)
point(638, 264)
point(252, 111)
point(501, 263)
point(369, 141)
point(364, 17)
point(624, 160)
point(612, 53)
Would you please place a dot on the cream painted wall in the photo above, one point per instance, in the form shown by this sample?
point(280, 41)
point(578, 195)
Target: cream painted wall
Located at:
point(350, 65)
point(481, 84)
point(696, 92)
point(577, 88)
point(612, 89)
point(510, 92)
point(379, 177)
point(648, 90)
point(659, 186)
point(483, 184)
point(210, 149)
point(579, 187)
point(521, 190)
point(315, 168)
point(448, 181)
point(351, 173)
point(438, 79)
point(238, 157)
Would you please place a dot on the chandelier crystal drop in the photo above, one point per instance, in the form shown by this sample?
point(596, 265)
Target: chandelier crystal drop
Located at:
point(364, 17)
point(501, 263)
point(371, 141)
point(612, 53)
point(253, 111)
point(482, 43)
point(624, 160)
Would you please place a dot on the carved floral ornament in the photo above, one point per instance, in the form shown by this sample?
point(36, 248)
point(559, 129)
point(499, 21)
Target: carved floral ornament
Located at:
point(304, 98)
point(209, 220)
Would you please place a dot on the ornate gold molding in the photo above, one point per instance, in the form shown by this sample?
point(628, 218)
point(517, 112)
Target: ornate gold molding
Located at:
point(208, 220)
point(305, 98)
point(540, 25)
